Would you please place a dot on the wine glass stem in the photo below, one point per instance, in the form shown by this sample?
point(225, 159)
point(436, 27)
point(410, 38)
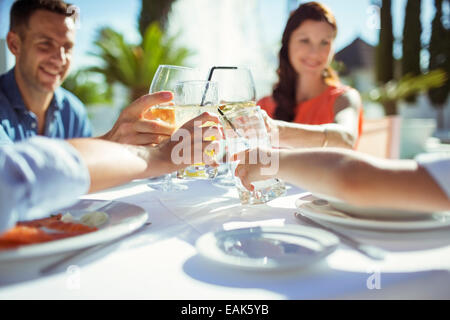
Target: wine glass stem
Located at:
point(167, 183)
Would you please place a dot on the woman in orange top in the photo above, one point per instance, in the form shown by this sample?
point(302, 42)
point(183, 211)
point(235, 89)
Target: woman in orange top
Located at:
point(309, 92)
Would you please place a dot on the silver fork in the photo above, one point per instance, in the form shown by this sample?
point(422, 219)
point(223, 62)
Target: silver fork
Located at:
point(372, 252)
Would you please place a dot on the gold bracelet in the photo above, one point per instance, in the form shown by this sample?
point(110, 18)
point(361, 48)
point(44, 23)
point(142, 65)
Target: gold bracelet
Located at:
point(325, 142)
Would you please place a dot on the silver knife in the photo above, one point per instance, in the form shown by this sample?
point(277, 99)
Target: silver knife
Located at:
point(372, 252)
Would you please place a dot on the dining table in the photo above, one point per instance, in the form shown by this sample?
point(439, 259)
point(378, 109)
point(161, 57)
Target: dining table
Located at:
point(160, 260)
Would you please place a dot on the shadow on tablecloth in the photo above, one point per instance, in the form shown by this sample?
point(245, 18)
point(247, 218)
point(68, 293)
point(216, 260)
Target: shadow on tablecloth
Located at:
point(319, 281)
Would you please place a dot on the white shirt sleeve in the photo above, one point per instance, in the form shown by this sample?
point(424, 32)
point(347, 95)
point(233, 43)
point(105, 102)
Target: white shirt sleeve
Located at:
point(4, 139)
point(39, 176)
point(438, 166)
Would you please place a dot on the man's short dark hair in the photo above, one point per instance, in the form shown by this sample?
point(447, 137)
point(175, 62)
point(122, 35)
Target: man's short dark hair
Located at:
point(22, 10)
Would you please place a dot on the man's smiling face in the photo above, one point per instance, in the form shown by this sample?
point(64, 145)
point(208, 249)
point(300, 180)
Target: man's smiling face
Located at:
point(45, 51)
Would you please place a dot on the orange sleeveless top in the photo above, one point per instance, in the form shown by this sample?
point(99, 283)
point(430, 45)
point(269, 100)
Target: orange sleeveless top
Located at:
point(316, 111)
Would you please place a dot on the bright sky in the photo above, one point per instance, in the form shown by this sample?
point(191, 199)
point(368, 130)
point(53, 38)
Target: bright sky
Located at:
point(354, 18)
point(197, 20)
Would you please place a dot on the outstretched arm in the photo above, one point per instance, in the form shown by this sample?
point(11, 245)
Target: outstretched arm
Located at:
point(343, 133)
point(355, 178)
point(112, 164)
point(41, 175)
point(295, 135)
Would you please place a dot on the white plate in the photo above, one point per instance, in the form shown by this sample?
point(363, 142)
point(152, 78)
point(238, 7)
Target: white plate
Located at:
point(268, 248)
point(123, 219)
point(373, 213)
point(320, 209)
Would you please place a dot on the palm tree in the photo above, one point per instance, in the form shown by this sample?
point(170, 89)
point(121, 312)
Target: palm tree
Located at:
point(409, 85)
point(90, 92)
point(135, 65)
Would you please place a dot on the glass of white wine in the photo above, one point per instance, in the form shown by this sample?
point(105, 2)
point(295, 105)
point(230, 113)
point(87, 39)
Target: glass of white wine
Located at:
point(166, 78)
point(245, 129)
point(192, 98)
point(237, 90)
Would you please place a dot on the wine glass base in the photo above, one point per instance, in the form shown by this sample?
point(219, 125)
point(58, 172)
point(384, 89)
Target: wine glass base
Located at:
point(224, 183)
point(167, 183)
point(155, 180)
point(224, 179)
point(169, 188)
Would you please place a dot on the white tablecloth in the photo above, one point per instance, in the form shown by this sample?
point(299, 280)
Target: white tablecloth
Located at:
point(161, 262)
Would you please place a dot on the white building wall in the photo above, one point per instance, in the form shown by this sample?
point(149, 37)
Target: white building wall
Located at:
point(6, 58)
point(424, 109)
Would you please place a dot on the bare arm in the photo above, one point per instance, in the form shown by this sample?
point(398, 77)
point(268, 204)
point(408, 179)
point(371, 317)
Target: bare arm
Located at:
point(342, 133)
point(295, 135)
point(112, 164)
point(346, 110)
point(357, 179)
point(109, 163)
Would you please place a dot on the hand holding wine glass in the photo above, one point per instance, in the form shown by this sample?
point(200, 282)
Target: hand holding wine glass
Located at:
point(166, 79)
point(237, 90)
point(132, 128)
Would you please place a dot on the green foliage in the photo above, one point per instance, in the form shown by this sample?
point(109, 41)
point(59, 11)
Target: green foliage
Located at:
point(412, 45)
point(338, 66)
point(90, 92)
point(394, 91)
point(439, 56)
point(135, 65)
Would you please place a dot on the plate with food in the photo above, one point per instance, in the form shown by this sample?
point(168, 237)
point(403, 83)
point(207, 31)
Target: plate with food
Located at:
point(85, 224)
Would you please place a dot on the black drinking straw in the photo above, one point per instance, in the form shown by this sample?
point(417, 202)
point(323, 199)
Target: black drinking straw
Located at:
point(211, 73)
point(229, 122)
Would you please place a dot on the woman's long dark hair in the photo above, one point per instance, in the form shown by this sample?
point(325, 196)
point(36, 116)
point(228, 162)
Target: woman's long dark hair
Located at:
point(284, 92)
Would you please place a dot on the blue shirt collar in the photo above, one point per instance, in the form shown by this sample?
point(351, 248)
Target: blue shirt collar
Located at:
point(58, 98)
point(12, 91)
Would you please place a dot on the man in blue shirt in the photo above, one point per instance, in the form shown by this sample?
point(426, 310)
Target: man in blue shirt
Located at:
point(42, 37)
point(65, 116)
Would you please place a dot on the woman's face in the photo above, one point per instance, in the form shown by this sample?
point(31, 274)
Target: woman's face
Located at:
point(311, 47)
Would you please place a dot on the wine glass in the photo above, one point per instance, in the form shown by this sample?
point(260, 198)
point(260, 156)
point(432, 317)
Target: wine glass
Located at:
point(192, 98)
point(237, 90)
point(166, 79)
point(237, 87)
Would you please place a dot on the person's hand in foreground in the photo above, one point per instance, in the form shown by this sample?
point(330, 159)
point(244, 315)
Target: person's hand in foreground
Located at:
point(41, 174)
point(132, 128)
point(353, 177)
point(252, 169)
point(112, 164)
